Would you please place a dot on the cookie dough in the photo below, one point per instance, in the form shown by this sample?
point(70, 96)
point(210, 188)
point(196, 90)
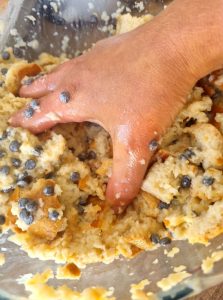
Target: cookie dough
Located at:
point(53, 185)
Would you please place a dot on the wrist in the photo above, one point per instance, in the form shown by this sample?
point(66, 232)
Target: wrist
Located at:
point(189, 33)
point(195, 28)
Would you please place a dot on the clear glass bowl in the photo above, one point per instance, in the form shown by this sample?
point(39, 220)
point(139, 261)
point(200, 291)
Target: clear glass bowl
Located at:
point(82, 26)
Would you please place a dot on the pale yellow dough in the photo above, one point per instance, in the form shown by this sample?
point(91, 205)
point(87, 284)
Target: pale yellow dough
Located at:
point(91, 233)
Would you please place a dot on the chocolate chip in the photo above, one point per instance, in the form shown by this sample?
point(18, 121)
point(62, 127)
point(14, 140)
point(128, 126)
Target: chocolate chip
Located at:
point(30, 164)
point(80, 209)
point(4, 135)
point(190, 122)
point(16, 162)
point(91, 155)
point(48, 190)
point(26, 216)
point(17, 52)
point(28, 112)
point(5, 170)
point(31, 206)
point(1, 83)
point(34, 104)
point(14, 146)
point(2, 219)
point(49, 175)
point(22, 202)
point(188, 153)
point(82, 156)
point(185, 181)
point(24, 179)
point(165, 241)
point(155, 239)
point(2, 153)
point(53, 215)
point(83, 201)
point(208, 180)
point(4, 71)
point(64, 97)
point(5, 55)
point(75, 177)
point(37, 150)
point(163, 205)
point(153, 145)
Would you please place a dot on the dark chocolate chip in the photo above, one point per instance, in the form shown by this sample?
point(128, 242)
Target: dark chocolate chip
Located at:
point(190, 122)
point(208, 180)
point(34, 104)
point(80, 209)
point(4, 135)
point(5, 55)
point(155, 238)
point(83, 201)
point(153, 145)
point(75, 177)
point(165, 241)
point(48, 190)
point(22, 202)
point(2, 219)
point(30, 164)
point(14, 146)
point(185, 181)
point(17, 52)
point(37, 150)
point(24, 179)
point(26, 216)
point(188, 153)
point(49, 175)
point(163, 205)
point(53, 215)
point(5, 170)
point(4, 71)
point(64, 97)
point(2, 153)
point(82, 156)
point(31, 206)
point(16, 162)
point(28, 112)
point(91, 155)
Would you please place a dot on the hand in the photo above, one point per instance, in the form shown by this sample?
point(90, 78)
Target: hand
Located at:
point(133, 85)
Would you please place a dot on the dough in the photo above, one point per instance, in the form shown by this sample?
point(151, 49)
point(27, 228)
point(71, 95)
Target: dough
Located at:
point(63, 173)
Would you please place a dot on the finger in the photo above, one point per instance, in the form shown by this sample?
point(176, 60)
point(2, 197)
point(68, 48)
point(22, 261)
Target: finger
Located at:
point(49, 112)
point(41, 86)
point(130, 161)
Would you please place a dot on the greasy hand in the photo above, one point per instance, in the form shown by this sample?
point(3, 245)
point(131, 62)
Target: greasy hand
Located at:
point(132, 87)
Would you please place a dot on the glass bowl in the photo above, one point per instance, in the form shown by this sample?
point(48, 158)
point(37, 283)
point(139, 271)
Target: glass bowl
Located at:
point(71, 30)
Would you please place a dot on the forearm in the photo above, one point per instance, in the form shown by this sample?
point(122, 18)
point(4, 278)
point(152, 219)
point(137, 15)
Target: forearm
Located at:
point(192, 30)
point(197, 26)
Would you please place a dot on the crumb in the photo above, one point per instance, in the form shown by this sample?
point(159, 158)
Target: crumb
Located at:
point(208, 263)
point(172, 279)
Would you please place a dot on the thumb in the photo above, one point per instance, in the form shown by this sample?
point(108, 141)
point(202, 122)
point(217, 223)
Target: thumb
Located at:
point(130, 161)
point(46, 112)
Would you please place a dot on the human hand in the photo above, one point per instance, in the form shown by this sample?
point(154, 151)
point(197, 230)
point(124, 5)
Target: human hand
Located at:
point(133, 85)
